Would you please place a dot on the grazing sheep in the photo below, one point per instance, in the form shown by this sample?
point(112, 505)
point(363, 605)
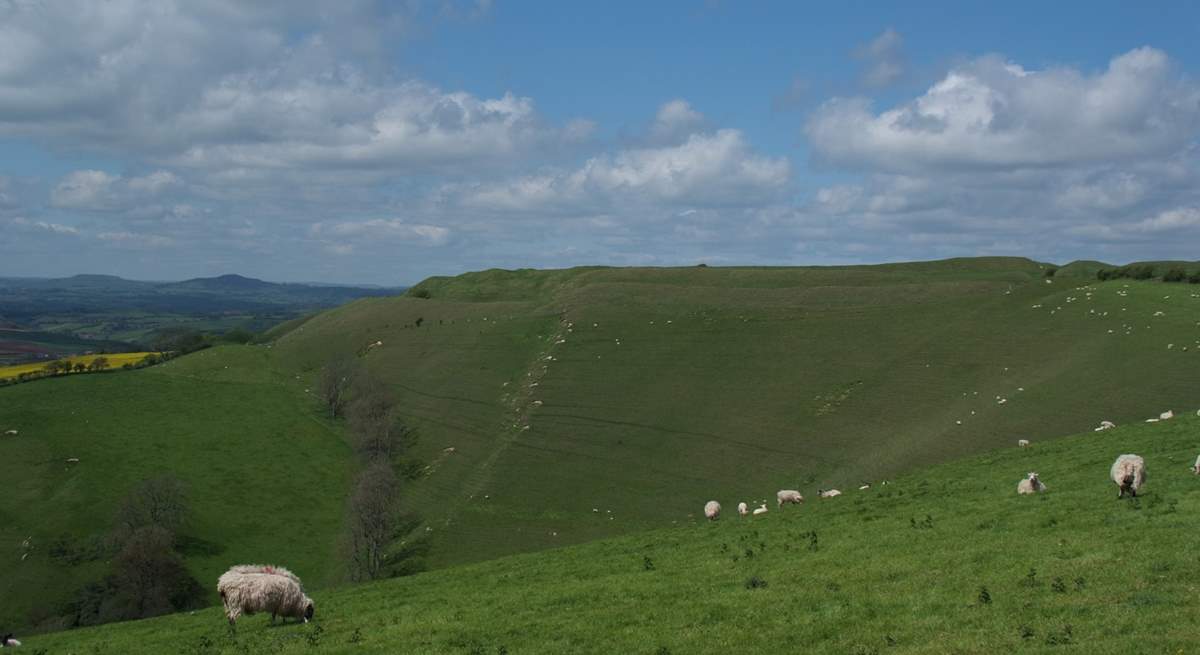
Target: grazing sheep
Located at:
point(742, 509)
point(1196, 466)
point(1030, 485)
point(788, 496)
point(9, 641)
point(712, 509)
point(828, 493)
point(864, 486)
point(761, 510)
point(11, 432)
point(1129, 473)
point(1023, 443)
point(72, 460)
point(248, 589)
point(1105, 425)
point(1169, 414)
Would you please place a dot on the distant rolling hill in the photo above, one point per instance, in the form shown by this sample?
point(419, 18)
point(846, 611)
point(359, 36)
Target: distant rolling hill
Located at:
point(112, 308)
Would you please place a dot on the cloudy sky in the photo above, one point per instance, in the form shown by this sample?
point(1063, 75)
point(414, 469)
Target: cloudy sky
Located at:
point(380, 143)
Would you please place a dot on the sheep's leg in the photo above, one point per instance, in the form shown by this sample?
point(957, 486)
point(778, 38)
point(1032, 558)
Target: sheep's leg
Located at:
point(272, 618)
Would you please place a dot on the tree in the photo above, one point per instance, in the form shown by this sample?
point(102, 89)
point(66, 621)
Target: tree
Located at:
point(334, 383)
point(372, 517)
point(374, 422)
point(150, 577)
point(158, 502)
point(99, 364)
point(80, 367)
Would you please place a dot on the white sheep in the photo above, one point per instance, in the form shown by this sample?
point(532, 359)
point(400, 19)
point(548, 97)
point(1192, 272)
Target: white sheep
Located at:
point(11, 432)
point(788, 496)
point(1106, 425)
point(761, 510)
point(828, 493)
point(742, 509)
point(712, 509)
point(1030, 485)
point(249, 589)
point(9, 641)
point(1196, 466)
point(1169, 414)
point(1129, 474)
point(1023, 443)
point(864, 486)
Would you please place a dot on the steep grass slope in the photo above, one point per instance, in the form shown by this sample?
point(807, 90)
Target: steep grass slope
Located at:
point(265, 476)
point(556, 407)
point(945, 560)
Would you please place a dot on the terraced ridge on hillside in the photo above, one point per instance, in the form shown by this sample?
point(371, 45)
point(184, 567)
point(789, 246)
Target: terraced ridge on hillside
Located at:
point(639, 391)
point(948, 559)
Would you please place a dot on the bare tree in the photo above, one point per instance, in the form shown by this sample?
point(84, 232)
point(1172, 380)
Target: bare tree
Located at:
point(334, 383)
point(160, 502)
point(372, 520)
point(374, 421)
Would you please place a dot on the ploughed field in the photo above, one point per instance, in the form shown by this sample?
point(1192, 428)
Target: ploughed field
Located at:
point(947, 559)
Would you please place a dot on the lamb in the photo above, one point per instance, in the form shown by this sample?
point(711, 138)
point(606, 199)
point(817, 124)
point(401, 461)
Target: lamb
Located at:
point(1023, 443)
point(742, 509)
point(828, 493)
point(1129, 474)
point(1030, 485)
point(761, 510)
point(712, 509)
point(248, 589)
point(9, 641)
point(1169, 414)
point(1105, 425)
point(11, 432)
point(788, 496)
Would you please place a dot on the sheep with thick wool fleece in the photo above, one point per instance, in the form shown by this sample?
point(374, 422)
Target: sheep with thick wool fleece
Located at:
point(788, 496)
point(1032, 484)
point(1129, 474)
point(249, 589)
point(712, 509)
point(743, 509)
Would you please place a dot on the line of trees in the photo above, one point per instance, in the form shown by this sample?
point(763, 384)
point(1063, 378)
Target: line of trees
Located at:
point(380, 438)
point(1148, 272)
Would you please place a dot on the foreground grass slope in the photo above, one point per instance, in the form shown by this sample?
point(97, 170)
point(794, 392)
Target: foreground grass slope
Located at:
point(945, 560)
point(641, 393)
point(263, 474)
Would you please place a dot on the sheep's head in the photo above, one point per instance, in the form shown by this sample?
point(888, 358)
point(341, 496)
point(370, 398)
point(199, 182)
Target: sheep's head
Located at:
point(1033, 477)
point(308, 612)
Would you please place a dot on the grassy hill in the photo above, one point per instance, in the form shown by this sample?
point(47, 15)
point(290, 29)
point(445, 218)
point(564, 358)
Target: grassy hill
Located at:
point(636, 392)
point(560, 407)
point(945, 560)
point(264, 474)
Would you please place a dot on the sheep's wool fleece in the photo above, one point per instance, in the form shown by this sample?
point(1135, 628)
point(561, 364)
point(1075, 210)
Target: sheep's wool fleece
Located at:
point(253, 589)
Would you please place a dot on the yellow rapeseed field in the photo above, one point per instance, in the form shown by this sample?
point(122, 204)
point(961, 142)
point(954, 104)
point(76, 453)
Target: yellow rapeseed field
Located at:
point(115, 360)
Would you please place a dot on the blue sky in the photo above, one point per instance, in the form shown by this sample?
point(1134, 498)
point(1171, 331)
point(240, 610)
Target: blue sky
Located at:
point(381, 143)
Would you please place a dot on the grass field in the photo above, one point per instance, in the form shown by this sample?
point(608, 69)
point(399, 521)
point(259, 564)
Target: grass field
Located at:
point(115, 361)
point(266, 475)
point(564, 391)
point(944, 560)
point(560, 407)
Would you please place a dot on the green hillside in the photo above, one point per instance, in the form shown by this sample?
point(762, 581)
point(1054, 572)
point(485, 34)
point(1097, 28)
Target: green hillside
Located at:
point(559, 407)
point(263, 474)
point(636, 392)
point(945, 560)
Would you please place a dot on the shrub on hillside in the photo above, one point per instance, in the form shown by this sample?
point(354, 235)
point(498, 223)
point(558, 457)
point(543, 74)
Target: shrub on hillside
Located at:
point(1175, 275)
point(420, 293)
point(1050, 271)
